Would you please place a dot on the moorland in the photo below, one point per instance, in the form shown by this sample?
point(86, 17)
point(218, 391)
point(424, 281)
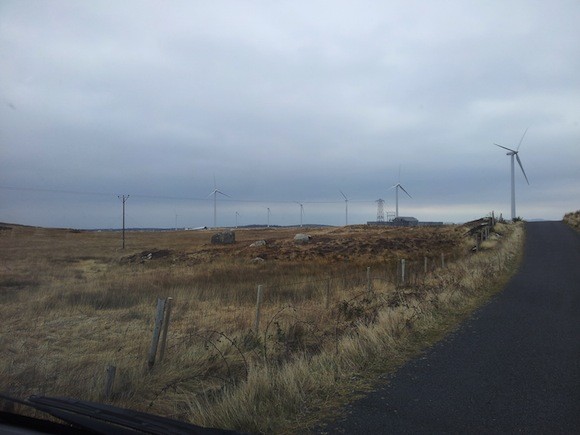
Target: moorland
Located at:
point(336, 314)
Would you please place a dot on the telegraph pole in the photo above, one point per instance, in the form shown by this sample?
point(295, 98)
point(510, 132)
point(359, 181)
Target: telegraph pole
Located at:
point(123, 198)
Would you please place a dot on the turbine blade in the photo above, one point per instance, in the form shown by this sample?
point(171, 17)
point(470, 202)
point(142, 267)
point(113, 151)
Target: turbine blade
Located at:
point(224, 194)
point(403, 189)
point(521, 139)
point(342, 193)
point(522, 168)
point(212, 193)
point(505, 148)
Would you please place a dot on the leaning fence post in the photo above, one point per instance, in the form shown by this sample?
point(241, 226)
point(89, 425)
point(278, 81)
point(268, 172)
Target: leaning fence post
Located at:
point(258, 308)
point(156, 332)
point(110, 371)
point(403, 271)
point(165, 327)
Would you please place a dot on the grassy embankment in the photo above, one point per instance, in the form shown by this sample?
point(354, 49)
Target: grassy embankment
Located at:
point(573, 219)
point(72, 303)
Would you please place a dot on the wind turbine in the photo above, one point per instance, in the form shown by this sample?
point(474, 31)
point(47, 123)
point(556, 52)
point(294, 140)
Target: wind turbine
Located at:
point(268, 217)
point(346, 206)
point(397, 187)
point(214, 193)
point(301, 211)
point(237, 215)
point(512, 154)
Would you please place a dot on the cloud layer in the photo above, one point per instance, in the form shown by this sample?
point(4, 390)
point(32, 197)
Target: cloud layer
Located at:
point(285, 102)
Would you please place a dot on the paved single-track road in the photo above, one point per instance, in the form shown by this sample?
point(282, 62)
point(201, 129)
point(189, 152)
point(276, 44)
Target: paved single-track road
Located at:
point(514, 366)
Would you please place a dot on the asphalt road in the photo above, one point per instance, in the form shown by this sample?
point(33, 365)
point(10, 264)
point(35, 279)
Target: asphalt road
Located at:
point(514, 366)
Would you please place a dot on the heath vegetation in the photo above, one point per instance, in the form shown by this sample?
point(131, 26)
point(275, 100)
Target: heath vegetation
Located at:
point(336, 312)
point(573, 219)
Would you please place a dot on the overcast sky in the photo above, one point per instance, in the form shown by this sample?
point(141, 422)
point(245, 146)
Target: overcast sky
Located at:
point(285, 102)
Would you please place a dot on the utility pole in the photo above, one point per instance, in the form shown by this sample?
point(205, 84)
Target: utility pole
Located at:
point(123, 198)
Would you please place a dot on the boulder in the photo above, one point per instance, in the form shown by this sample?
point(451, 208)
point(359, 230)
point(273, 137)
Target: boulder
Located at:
point(301, 238)
point(258, 243)
point(257, 260)
point(225, 238)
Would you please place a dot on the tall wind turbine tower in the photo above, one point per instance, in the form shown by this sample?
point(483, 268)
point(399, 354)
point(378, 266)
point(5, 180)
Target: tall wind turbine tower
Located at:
point(397, 187)
point(214, 193)
point(512, 154)
point(301, 212)
point(346, 206)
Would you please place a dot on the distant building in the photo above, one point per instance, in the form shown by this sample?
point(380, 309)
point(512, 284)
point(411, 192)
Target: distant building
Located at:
point(404, 221)
point(408, 221)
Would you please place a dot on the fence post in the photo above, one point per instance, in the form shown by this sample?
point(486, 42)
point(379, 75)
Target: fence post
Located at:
point(110, 371)
point(425, 265)
point(368, 279)
point(442, 260)
point(258, 308)
point(403, 271)
point(165, 327)
point(156, 332)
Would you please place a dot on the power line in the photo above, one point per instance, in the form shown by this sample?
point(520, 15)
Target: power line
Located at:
point(175, 198)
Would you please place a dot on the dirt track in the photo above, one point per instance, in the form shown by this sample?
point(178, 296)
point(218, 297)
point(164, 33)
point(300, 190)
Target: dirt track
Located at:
point(513, 367)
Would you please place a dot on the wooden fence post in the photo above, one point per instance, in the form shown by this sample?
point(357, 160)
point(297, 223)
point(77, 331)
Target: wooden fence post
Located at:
point(110, 371)
point(156, 332)
point(368, 279)
point(258, 308)
point(442, 260)
point(403, 271)
point(425, 265)
point(165, 327)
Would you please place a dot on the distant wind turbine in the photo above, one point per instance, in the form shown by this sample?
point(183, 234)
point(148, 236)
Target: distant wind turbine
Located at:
point(237, 215)
point(214, 193)
point(301, 211)
point(512, 154)
point(397, 187)
point(346, 206)
point(268, 217)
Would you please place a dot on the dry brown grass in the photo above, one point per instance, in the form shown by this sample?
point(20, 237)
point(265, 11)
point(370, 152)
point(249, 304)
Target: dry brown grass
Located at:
point(75, 302)
point(573, 219)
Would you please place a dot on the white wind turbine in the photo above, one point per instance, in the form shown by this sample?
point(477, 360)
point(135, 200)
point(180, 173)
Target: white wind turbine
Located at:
point(397, 187)
point(512, 154)
point(346, 206)
point(214, 193)
point(301, 211)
